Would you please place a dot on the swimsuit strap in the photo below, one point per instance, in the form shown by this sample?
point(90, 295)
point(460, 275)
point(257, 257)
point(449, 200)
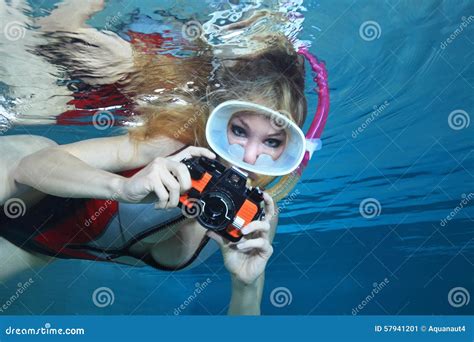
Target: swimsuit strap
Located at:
point(59, 227)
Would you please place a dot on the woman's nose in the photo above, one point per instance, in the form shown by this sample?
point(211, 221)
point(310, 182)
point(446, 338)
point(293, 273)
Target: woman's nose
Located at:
point(251, 153)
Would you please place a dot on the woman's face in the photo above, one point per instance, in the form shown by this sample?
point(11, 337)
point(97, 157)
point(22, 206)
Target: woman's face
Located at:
point(256, 134)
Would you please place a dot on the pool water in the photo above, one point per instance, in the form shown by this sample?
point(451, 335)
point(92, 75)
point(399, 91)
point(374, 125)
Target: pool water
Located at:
point(366, 230)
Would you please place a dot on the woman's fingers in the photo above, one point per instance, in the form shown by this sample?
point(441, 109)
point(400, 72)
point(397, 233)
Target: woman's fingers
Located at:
point(261, 244)
point(256, 226)
point(201, 152)
point(173, 188)
point(181, 172)
point(161, 193)
point(269, 207)
point(193, 151)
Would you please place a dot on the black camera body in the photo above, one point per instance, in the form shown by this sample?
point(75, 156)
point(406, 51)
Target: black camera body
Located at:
point(219, 198)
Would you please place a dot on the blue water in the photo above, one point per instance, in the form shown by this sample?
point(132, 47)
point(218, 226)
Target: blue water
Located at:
point(409, 157)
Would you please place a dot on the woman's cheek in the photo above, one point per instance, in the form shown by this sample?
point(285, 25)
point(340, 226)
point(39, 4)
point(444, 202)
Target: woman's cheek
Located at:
point(232, 139)
point(276, 152)
point(237, 140)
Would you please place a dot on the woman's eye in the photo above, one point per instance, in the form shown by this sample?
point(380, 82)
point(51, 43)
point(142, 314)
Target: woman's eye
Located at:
point(238, 131)
point(274, 143)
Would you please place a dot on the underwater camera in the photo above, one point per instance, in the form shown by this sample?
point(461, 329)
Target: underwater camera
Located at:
point(219, 198)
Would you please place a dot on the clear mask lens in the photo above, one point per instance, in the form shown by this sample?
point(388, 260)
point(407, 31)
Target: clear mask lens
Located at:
point(217, 137)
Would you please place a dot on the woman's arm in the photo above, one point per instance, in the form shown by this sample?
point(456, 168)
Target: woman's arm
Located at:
point(85, 169)
point(246, 298)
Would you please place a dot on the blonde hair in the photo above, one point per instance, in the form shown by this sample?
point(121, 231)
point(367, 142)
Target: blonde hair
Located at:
point(192, 87)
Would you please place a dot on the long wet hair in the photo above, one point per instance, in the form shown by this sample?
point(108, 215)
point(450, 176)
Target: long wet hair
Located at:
point(175, 95)
point(189, 88)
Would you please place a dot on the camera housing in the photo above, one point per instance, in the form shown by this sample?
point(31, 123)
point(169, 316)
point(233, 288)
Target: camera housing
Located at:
point(219, 198)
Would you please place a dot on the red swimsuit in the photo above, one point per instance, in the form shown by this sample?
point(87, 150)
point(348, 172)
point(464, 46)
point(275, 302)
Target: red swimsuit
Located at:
point(92, 229)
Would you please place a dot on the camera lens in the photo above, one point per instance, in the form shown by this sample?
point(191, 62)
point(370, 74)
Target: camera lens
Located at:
point(217, 212)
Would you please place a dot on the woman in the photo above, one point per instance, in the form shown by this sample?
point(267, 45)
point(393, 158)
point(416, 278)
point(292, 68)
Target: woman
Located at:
point(143, 165)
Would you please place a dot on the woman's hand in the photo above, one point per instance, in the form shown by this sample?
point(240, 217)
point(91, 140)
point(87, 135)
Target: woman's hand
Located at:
point(166, 178)
point(247, 258)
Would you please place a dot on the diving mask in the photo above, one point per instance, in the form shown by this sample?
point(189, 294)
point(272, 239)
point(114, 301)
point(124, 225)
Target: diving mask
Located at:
point(217, 137)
